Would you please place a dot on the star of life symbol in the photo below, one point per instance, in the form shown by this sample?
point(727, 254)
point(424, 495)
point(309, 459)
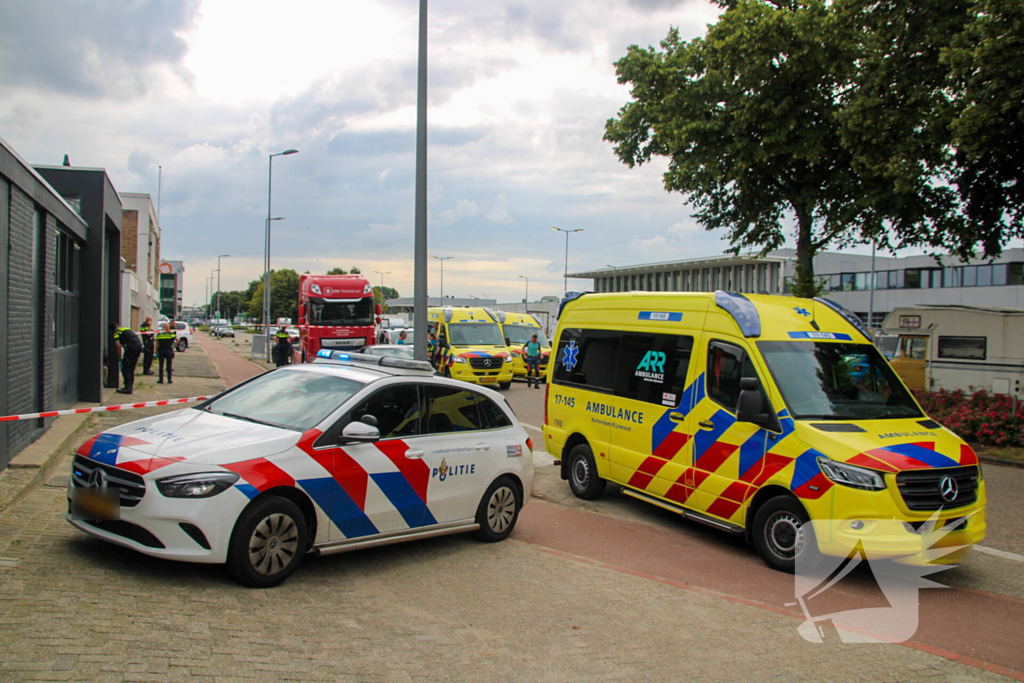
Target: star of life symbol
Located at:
point(933, 546)
point(802, 311)
point(569, 356)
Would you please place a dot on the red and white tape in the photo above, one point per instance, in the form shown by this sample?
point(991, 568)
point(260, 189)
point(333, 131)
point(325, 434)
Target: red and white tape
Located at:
point(104, 409)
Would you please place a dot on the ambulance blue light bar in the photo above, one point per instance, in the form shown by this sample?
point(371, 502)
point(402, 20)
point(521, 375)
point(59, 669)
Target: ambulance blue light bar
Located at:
point(848, 315)
point(742, 310)
point(569, 296)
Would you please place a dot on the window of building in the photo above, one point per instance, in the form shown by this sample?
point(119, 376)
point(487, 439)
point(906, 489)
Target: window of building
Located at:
point(675, 281)
point(999, 274)
point(974, 348)
point(67, 259)
point(650, 282)
point(632, 287)
point(895, 279)
point(860, 281)
point(951, 277)
point(657, 282)
point(984, 276)
point(848, 281)
point(1015, 274)
point(970, 276)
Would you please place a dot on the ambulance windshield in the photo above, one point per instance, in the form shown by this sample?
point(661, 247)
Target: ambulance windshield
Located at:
point(338, 314)
point(521, 334)
point(475, 334)
point(830, 381)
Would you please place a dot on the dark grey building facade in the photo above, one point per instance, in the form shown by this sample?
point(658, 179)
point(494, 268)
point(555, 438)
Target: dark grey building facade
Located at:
point(50, 354)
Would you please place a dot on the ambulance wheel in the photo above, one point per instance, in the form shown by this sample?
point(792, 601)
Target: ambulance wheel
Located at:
point(498, 511)
point(778, 536)
point(504, 385)
point(583, 479)
point(268, 542)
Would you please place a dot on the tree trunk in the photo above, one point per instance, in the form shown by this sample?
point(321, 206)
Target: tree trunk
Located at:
point(805, 285)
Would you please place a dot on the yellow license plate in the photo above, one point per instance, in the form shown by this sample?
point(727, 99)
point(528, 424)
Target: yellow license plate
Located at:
point(488, 379)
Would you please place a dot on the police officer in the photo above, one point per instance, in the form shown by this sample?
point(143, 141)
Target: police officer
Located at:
point(147, 333)
point(165, 351)
point(284, 347)
point(127, 347)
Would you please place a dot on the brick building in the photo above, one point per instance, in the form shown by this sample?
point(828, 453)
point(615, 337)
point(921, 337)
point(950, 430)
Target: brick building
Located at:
point(140, 249)
point(52, 262)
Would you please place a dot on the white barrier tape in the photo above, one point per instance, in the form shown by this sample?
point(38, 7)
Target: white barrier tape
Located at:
point(103, 409)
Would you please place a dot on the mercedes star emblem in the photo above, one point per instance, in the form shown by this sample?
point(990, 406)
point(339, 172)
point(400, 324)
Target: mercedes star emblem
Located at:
point(948, 489)
point(487, 363)
point(98, 479)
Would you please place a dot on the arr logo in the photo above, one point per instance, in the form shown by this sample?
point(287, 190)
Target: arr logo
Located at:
point(652, 367)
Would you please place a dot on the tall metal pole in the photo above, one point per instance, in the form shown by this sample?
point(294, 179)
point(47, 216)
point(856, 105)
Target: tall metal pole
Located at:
point(420, 254)
point(871, 299)
point(565, 273)
point(382, 274)
point(442, 259)
point(527, 289)
point(266, 253)
point(219, 257)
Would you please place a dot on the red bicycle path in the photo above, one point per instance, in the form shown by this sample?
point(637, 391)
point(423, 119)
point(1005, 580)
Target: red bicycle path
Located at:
point(977, 628)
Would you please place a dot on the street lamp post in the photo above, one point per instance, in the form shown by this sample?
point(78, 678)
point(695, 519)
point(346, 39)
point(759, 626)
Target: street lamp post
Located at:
point(266, 253)
point(527, 289)
point(209, 302)
point(219, 257)
point(382, 274)
point(442, 259)
point(565, 279)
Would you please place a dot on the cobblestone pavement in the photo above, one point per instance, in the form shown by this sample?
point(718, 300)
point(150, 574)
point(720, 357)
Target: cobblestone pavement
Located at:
point(449, 609)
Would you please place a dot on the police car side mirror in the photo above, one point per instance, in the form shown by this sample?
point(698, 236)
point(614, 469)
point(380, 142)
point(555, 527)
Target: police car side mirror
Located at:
point(751, 404)
point(359, 432)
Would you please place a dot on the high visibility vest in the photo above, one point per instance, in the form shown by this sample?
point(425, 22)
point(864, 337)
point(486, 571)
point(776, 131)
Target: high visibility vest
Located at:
point(165, 340)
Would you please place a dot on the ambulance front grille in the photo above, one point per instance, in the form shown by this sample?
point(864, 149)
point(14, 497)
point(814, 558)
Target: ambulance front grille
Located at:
point(131, 485)
point(921, 489)
point(485, 363)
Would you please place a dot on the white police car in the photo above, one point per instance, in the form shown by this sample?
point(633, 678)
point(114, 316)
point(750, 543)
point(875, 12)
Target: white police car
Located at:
point(349, 452)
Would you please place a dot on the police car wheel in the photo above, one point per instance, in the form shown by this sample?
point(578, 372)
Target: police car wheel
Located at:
point(268, 542)
point(583, 479)
point(182, 345)
point(498, 510)
point(783, 536)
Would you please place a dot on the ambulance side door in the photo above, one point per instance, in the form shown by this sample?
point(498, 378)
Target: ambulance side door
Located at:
point(727, 455)
point(654, 371)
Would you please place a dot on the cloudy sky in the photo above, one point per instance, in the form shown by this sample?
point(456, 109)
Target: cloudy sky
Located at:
point(519, 93)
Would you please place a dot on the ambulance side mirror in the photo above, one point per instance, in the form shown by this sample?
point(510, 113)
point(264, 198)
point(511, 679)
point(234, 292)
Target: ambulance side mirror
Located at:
point(359, 432)
point(751, 405)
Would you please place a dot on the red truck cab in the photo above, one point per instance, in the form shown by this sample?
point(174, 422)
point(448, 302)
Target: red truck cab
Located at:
point(335, 312)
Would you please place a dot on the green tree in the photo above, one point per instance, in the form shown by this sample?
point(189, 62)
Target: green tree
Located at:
point(749, 117)
point(284, 296)
point(337, 271)
point(389, 293)
point(987, 82)
point(355, 271)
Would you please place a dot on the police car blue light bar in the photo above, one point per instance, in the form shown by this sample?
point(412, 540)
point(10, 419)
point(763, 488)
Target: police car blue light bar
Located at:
point(847, 315)
point(742, 310)
point(334, 355)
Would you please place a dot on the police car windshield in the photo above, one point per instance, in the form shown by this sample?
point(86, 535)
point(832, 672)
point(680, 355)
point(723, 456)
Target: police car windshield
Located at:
point(290, 399)
point(521, 334)
point(351, 314)
point(475, 334)
point(836, 381)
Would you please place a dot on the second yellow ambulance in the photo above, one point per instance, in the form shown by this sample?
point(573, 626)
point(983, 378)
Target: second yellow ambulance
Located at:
point(519, 329)
point(755, 414)
point(470, 346)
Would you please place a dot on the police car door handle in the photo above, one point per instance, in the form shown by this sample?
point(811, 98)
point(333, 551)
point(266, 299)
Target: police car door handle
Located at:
point(414, 455)
point(706, 424)
point(483, 446)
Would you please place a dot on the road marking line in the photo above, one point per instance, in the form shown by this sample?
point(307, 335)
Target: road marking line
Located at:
point(1000, 553)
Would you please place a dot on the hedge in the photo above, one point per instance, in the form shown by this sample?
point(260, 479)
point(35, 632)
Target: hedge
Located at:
point(979, 417)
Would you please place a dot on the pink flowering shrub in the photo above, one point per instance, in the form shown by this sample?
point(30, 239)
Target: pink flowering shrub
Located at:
point(979, 417)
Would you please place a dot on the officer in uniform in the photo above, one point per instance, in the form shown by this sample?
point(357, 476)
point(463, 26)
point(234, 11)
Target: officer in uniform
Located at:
point(127, 347)
point(146, 331)
point(165, 351)
point(284, 347)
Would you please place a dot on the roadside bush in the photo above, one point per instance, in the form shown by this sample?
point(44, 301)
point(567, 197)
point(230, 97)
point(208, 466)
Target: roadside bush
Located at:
point(979, 417)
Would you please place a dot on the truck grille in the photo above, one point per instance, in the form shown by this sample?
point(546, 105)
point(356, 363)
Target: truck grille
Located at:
point(922, 489)
point(132, 487)
point(485, 363)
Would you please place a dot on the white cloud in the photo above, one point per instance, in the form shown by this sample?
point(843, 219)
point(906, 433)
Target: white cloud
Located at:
point(499, 214)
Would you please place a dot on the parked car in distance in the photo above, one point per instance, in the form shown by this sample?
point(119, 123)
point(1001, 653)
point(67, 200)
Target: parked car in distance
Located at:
point(391, 350)
point(184, 333)
point(226, 331)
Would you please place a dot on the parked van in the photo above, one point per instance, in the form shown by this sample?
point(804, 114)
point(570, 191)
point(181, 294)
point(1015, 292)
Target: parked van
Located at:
point(958, 347)
point(470, 345)
point(518, 329)
point(745, 412)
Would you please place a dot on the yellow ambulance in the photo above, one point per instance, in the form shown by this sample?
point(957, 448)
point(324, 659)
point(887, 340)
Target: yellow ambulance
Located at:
point(518, 329)
point(757, 414)
point(469, 345)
